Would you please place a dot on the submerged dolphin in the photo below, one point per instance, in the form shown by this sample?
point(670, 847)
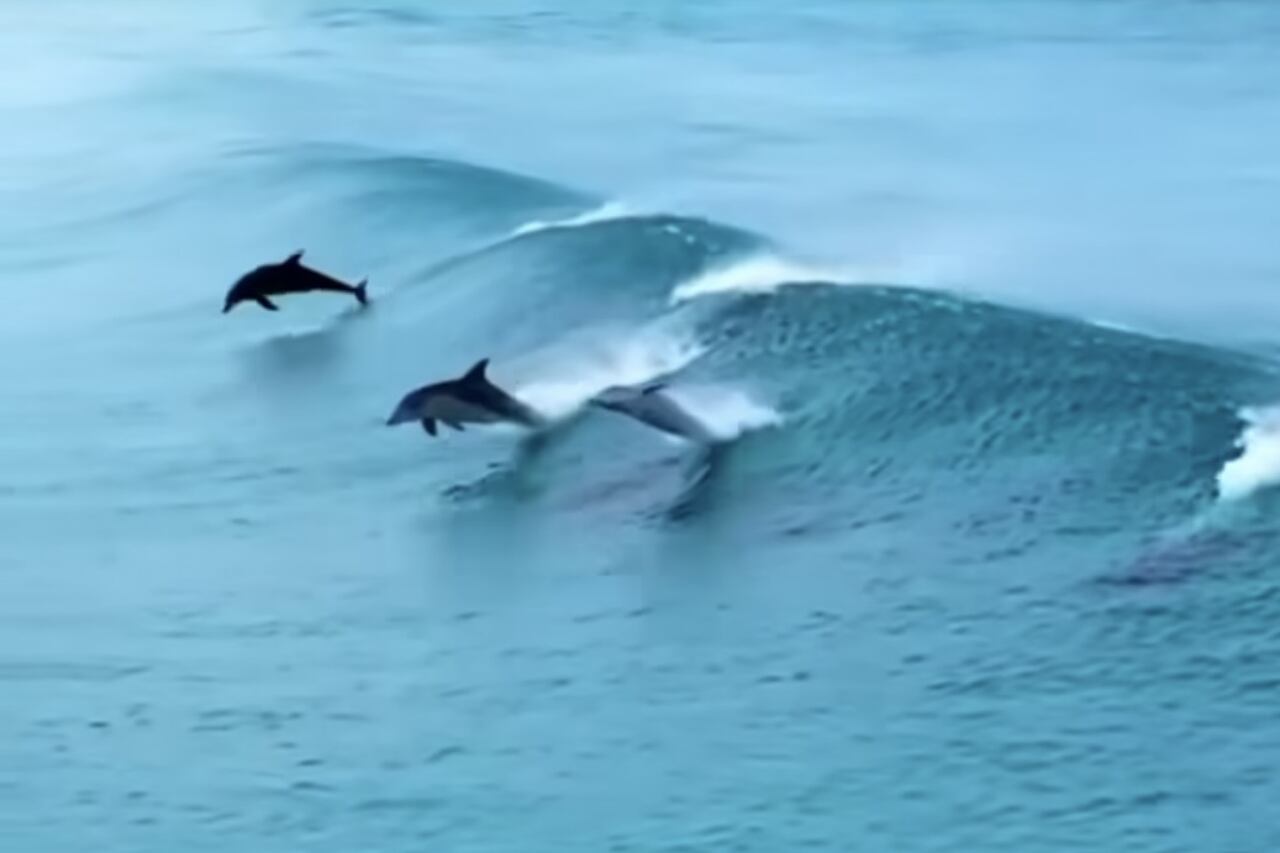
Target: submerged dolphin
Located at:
point(651, 404)
point(288, 276)
point(472, 399)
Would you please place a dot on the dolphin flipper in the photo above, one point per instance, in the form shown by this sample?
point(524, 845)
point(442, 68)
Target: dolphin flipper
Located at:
point(429, 424)
point(267, 303)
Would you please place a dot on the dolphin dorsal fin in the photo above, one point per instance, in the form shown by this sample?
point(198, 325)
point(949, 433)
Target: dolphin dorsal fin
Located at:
point(476, 373)
point(295, 258)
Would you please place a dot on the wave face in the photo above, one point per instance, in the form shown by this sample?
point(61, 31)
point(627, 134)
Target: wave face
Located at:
point(950, 538)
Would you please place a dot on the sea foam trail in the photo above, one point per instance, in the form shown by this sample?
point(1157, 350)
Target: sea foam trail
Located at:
point(582, 369)
point(608, 210)
point(727, 413)
point(1258, 465)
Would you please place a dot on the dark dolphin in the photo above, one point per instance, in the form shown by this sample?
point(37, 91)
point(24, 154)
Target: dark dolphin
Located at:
point(472, 399)
point(288, 276)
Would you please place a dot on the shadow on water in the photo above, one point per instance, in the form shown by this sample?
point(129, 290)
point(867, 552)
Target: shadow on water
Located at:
point(534, 448)
point(299, 353)
point(689, 573)
point(524, 477)
point(1226, 540)
point(704, 489)
point(687, 489)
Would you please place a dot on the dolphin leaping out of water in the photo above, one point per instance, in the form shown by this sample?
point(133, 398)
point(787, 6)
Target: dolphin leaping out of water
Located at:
point(472, 399)
point(288, 276)
point(650, 404)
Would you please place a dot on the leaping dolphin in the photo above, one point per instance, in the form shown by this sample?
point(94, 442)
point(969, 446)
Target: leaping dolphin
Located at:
point(288, 276)
point(472, 399)
point(651, 404)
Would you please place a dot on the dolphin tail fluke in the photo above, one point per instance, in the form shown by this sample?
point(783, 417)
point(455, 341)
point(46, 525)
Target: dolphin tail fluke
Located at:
point(362, 291)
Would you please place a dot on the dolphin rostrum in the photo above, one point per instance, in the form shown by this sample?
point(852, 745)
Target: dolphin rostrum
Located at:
point(472, 399)
point(651, 404)
point(288, 276)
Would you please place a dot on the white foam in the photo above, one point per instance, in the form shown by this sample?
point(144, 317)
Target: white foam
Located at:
point(1258, 465)
point(608, 210)
point(756, 274)
point(585, 367)
point(1113, 325)
point(727, 413)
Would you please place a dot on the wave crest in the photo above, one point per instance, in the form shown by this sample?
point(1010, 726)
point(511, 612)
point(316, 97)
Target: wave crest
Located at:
point(605, 212)
point(1258, 465)
point(760, 273)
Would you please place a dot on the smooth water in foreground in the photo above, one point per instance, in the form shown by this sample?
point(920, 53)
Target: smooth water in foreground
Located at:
point(986, 293)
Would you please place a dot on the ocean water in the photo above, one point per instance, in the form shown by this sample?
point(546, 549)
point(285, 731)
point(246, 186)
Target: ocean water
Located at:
point(985, 293)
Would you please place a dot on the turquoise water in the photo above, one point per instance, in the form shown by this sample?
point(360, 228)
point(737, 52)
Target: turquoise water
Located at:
point(986, 292)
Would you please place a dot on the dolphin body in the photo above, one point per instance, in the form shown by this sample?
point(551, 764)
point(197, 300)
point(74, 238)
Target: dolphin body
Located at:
point(471, 399)
point(288, 276)
point(650, 404)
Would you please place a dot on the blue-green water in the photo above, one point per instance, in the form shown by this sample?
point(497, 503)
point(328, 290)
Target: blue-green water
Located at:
point(987, 290)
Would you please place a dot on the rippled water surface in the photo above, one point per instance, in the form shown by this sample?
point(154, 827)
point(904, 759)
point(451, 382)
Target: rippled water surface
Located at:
point(985, 295)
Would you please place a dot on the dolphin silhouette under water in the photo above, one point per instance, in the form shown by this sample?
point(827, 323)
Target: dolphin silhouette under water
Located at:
point(288, 276)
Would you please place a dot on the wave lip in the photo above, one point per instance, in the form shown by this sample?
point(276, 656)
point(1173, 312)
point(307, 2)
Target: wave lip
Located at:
point(1258, 465)
point(603, 213)
point(760, 273)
